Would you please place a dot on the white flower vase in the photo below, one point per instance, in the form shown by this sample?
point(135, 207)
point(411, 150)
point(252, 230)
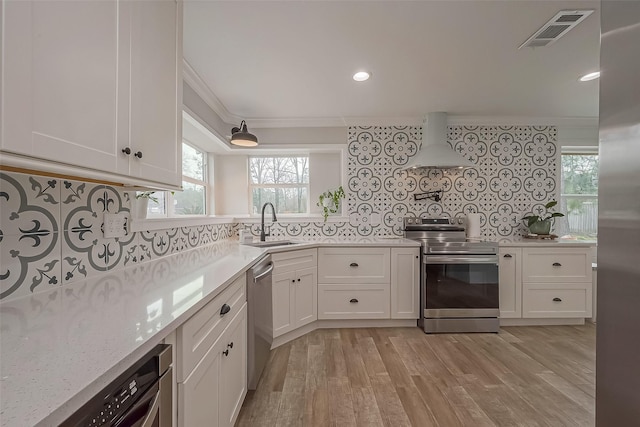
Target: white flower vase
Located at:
point(139, 207)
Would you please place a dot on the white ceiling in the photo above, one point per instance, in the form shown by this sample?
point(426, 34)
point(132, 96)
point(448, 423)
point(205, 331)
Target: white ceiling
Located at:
point(278, 63)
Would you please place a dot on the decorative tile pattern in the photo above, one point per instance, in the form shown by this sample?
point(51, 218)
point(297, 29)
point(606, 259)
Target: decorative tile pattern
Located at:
point(51, 233)
point(516, 167)
point(29, 238)
point(85, 250)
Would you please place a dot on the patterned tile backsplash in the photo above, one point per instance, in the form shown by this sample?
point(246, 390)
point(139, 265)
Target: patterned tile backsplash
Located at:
point(51, 229)
point(516, 174)
point(51, 233)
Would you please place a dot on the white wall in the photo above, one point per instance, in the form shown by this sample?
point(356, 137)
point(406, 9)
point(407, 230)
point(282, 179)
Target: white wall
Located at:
point(325, 173)
point(231, 185)
point(580, 133)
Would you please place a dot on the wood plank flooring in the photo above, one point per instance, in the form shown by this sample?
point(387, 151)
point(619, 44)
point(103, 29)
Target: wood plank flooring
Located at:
point(524, 376)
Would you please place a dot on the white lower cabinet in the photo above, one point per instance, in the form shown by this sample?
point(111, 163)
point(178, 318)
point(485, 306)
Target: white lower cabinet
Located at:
point(199, 393)
point(405, 283)
point(368, 283)
point(295, 289)
point(510, 266)
point(210, 394)
point(545, 282)
point(233, 370)
point(353, 302)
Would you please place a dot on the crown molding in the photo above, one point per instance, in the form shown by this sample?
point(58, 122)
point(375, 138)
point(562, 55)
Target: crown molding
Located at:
point(319, 122)
point(193, 79)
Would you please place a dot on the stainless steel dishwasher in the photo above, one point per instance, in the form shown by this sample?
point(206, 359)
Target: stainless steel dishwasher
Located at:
point(260, 318)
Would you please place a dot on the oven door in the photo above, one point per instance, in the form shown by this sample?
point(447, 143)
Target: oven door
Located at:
point(154, 408)
point(461, 286)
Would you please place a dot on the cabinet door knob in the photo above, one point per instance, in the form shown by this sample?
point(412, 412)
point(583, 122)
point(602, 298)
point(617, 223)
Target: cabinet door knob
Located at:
point(556, 299)
point(293, 280)
point(298, 280)
point(557, 264)
point(353, 264)
point(353, 300)
point(225, 309)
point(126, 150)
point(508, 256)
point(226, 352)
point(230, 345)
point(138, 154)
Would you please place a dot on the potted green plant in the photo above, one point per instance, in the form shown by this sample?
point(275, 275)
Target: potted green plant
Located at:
point(541, 224)
point(139, 208)
point(329, 201)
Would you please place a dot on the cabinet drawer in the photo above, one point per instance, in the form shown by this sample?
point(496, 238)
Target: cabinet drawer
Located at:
point(556, 265)
point(369, 302)
point(284, 262)
point(354, 265)
point(201, 331)
point(559, 302)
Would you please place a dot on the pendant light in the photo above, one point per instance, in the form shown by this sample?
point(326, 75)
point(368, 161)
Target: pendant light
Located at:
point(241, 136)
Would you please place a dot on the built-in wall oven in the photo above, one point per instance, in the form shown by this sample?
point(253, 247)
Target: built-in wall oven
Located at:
point(459, 290)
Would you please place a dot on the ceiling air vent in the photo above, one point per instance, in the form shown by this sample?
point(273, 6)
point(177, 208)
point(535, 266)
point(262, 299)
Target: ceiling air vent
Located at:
point(557, 27)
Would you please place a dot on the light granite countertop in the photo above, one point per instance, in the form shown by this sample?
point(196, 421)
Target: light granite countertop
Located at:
point(551, 243)
point(61, 347)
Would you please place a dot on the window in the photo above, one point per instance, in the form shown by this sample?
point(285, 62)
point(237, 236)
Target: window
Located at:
point(193, 199)
point(283, 181)
point(579, 200)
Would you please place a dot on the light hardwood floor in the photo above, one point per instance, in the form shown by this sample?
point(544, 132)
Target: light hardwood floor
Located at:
point(524, 376)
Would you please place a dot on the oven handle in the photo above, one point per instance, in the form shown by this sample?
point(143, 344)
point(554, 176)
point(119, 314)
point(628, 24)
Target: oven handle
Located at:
point(458, 259)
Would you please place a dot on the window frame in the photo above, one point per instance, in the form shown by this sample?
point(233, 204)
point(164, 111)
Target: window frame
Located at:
point(205, 184)
point(566, 197)
point(169, 211)
point(252, 186)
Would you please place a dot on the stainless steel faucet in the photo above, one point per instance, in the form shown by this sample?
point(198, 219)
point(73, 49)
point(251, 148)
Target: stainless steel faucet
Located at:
point(263, 235)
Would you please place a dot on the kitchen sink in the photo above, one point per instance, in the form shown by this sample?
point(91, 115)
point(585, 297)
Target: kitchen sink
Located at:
point(271, 244)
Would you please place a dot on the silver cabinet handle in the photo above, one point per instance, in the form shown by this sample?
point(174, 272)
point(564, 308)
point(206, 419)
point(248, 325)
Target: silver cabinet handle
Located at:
point(264, 273)
point(153, 412)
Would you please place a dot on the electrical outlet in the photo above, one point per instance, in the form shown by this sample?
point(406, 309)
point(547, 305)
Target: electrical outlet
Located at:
point(115, 225)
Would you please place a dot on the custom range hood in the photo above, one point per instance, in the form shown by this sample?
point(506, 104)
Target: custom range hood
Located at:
point(435, 153)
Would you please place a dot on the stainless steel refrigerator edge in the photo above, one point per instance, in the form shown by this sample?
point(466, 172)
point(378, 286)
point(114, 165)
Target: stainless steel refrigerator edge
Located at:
point(618, 327)
point(260, 319)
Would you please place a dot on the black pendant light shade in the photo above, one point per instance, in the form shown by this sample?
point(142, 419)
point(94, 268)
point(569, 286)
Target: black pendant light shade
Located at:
point(241, 136)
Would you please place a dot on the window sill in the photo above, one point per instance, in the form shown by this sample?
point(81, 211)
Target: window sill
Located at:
point(256, 219)
point(150, 224)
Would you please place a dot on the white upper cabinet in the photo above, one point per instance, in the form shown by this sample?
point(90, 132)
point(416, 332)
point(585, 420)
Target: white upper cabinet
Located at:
point(84, 80)
point(155, 99)
point(60, 81)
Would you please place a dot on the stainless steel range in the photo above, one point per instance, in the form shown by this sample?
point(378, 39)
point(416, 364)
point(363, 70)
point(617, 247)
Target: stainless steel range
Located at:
point(458, 278)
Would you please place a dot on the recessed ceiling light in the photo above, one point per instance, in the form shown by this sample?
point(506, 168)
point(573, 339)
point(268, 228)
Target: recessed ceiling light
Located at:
point(361, 76)
point(590, 76)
